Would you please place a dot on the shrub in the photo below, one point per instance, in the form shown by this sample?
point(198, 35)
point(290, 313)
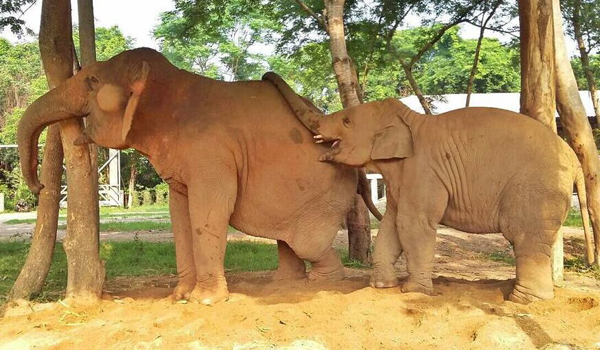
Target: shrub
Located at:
point(162, 193)
point(147, 198)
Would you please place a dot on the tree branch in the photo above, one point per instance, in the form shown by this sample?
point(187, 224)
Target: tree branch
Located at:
point(313, 14)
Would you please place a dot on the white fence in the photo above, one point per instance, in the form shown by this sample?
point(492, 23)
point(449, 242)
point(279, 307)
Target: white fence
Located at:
point(374, 180)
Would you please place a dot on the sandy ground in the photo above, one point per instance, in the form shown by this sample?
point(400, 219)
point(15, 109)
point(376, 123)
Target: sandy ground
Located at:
point(469, 311)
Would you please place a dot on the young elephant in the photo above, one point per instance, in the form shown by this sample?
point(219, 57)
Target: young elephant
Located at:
point(478, 170)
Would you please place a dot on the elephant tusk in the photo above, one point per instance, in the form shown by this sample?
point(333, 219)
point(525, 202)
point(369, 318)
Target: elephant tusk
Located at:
point(319, 141)
point(318, 137)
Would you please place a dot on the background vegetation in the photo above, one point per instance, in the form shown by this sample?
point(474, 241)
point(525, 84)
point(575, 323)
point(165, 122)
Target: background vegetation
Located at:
point(242, 39)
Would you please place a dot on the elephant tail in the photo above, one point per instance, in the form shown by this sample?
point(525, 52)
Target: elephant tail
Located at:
point(365, 192)
point(581, 194)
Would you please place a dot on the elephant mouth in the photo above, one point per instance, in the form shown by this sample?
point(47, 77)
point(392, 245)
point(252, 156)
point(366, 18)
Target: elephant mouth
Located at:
point(335, 142)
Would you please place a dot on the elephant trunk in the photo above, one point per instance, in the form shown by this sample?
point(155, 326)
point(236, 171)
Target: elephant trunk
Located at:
point(60, 103)
point(305, 111)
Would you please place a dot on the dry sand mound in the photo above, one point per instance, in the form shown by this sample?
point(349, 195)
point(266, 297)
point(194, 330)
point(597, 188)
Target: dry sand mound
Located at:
point(295, 315)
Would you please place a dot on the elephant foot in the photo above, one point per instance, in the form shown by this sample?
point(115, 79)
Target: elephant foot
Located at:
point(425, 287)
point(384, 278)
point(315, 275)
point(522, 295)
point(286, 274)
point(210, 293)
point(183, 291)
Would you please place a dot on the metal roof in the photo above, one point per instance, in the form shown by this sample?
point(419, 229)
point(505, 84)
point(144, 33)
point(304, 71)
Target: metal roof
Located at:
point(508, 100)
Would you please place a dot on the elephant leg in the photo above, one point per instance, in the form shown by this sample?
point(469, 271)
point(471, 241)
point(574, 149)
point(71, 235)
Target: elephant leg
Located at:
point(313, 244)
point(386, 253)
point(182, 232)
point(327, 267)
point(417, 238)
point(211, 203)
point(290, 265)
point(417, 222)
point(534, 266)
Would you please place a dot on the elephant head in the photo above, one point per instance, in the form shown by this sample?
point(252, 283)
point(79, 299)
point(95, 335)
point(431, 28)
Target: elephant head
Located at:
point(358, 135)
point(107, 93)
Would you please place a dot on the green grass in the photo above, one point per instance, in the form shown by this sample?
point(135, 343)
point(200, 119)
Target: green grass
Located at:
point(573, 219)
point(503, 257)
point(136, 258)
point(20, 221)
point(129, 226)
point(578, 264)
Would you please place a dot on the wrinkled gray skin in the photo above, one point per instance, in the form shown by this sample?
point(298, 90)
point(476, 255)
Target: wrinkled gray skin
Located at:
point(478, 170)
point(232, 153)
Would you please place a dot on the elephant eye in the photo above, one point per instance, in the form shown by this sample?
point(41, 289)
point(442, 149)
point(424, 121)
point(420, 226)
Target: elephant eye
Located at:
point(91, 82)
point(346, 122)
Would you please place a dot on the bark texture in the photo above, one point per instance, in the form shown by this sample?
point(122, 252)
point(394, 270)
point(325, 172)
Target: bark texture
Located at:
point(357, 220)
point(537, 61)
point(577, 128)
point(34, 272)
point(538, 95)
point(585, 59)
point(85, 270)
point(87, 49)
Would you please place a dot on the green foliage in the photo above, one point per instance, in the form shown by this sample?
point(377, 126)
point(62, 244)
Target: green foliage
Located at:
point(503, 257)
point(303, 69)
point(109, 42)
point(147, 198)
point(8, 11)
point(578, 70)
point(447, 66)
point(573, 219)
point(213, 37)
point(22, 80)
point(161, 192)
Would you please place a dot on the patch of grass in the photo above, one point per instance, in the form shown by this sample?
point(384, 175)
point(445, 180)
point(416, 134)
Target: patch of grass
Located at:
point(129, 226)
point(578, 265)
point(20, 221)
point(115, 215)
point(250, 256)
point(355, 264)
point(136, 258)
point(12, 258)
point(573, 219)
point(503, 257)
point(127, 259)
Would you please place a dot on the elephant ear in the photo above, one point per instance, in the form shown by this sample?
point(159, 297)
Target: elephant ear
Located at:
point(394, 141)
point(138, 77)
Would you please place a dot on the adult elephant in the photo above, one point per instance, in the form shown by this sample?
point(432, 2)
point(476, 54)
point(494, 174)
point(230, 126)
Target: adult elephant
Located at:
point(232, 153)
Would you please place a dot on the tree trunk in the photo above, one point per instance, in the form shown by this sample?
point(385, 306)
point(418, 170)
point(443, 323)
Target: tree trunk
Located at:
point(415, 87)
point(585, 60)
point(85, 270)
point(577, 128)
point(537, 61)
point(34, 272)
point(132, 175)
point(538, 95)
point(358, 220)
point(478, 50)
point(87, 49)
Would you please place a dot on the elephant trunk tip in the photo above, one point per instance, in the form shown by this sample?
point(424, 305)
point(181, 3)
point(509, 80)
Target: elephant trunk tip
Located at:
point(36, 187)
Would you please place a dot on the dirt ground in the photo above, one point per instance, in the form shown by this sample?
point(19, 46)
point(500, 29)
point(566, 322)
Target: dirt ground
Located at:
point(469, 311)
